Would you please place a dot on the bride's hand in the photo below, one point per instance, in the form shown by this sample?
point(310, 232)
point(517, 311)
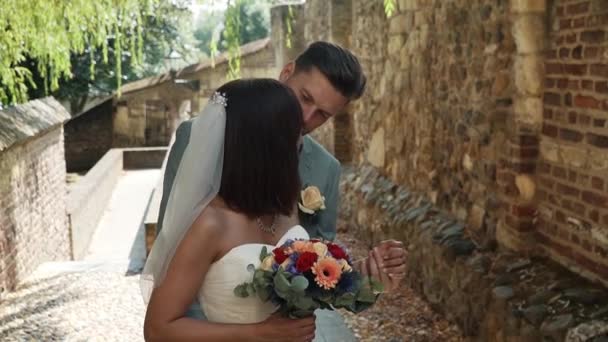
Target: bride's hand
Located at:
point(279, 328)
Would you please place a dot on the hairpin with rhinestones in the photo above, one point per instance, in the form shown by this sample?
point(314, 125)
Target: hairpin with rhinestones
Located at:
point(219, 98)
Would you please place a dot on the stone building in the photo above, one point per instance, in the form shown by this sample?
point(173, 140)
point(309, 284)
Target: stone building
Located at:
point(149, 110)
point(88, 135)
point(33, 221)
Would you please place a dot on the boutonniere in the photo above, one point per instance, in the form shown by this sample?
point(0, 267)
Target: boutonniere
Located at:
point(311, 200)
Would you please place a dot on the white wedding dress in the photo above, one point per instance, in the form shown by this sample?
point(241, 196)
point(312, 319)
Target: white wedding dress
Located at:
point(217, 298)
point(221, 305)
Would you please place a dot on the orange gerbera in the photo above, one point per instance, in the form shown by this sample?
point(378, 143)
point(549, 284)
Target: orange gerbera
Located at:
point(302, 246)
point(327, 271)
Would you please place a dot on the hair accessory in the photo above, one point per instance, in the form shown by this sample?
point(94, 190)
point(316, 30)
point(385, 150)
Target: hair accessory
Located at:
point(219, 98)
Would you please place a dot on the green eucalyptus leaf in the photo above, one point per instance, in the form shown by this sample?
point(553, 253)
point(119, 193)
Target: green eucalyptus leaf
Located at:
point(241, 291)
point(377, 287)
point(263, 293)
point(304, 303)
point(250, 289)
point(366, 295)
point(296, 314)
point(299, 283)
point(259, 275)
point(345, 300)
point(263, 253)
point(281, 283)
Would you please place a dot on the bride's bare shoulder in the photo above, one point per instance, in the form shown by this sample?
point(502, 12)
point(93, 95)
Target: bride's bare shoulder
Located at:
point(209, 223)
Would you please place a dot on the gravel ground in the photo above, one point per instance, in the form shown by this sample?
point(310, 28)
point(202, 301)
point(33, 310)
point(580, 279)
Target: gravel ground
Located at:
point(82, 306)
point(105, 305)
point(400, 316)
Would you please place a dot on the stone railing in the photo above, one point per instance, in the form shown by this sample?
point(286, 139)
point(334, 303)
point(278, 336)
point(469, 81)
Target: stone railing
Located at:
point(143, 157)
point(491, 295)
point(151, 218)
point(88, 198)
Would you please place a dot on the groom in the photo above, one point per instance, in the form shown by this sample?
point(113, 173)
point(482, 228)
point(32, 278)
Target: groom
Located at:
point(325, 78)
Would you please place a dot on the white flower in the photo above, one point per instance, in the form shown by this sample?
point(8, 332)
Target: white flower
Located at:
point(267, 263)
point(311, 200)
point(320, 248)
point(345, 266)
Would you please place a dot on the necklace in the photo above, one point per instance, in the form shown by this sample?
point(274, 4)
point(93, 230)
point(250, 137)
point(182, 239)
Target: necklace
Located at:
point(267, 229)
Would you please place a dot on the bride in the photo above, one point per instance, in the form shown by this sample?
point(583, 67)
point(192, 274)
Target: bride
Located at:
point(235, 191)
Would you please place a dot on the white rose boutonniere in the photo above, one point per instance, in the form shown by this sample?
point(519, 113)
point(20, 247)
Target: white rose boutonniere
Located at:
point(311, 200)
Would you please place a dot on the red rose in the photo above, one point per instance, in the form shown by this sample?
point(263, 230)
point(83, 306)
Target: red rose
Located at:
point(336, 251)
point(305, 261)
point(279, 255)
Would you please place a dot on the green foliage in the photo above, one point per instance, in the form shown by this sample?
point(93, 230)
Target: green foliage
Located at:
point(93, 74)
point(233, 38)
point(241, 22)
point(48, 33)
point(389, 7)
point(207, 32)
point(289, 20)
point(298, 298)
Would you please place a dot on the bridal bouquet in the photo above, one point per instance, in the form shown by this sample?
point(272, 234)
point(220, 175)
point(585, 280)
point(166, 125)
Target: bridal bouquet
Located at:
point(304, 275)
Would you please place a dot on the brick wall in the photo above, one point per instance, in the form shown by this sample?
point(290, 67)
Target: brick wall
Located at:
point(88, 137)
point(33, 224)
point(573, 167)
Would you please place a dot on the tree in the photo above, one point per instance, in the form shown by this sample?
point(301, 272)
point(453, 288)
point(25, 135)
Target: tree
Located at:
point(253, 18)
point(92, 77)
point(47, 33)
point(93, 74)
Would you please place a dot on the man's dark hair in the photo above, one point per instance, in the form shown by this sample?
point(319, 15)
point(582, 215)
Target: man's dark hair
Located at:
point(263, 125)
point(339, 65)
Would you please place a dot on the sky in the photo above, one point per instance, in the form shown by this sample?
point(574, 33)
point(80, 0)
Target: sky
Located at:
point(197, 7)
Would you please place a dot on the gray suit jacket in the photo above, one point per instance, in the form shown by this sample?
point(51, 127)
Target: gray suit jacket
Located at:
point(317, 167)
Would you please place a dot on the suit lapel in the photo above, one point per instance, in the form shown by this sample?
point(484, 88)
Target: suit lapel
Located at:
point(305, 166)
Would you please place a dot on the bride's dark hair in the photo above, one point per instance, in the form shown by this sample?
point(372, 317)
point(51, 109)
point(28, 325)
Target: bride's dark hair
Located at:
point(263, 125)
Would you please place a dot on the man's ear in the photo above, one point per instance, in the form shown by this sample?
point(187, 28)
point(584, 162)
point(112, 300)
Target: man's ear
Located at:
point(287, 71)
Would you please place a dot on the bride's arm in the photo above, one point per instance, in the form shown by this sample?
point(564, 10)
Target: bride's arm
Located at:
point(165, 316)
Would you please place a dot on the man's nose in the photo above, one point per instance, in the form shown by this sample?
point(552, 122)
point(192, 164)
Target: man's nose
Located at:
point(307, 112)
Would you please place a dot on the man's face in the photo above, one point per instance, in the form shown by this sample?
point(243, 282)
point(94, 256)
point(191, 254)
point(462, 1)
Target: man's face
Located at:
point(318, 98)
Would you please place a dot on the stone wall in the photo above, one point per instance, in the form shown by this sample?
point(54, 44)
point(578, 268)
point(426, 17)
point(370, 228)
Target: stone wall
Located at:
point(435, 113)
point(33, 222)
point(573, 168)
point(139, 158)
point(286, 34)
point(88, 137)
point(493, 296)
point(317, 20)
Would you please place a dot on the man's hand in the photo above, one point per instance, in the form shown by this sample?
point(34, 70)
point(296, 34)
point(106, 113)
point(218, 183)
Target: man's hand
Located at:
point(374, 266)
point(389, 255)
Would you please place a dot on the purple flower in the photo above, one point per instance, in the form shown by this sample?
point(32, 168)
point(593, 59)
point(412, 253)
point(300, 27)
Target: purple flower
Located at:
point(348, 282)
